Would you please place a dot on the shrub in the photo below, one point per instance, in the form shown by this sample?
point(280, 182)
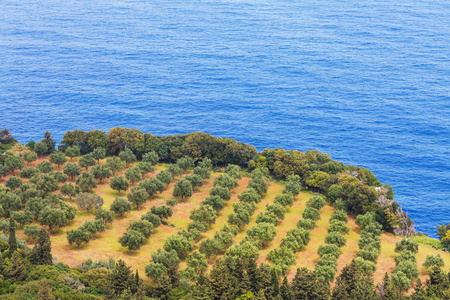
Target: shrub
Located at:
point(317, 202)
point(152, 218)
point(171, 202)
point(405, 255)
point(284, 199)
point(407, 244)
point(267, 217)
point(329, 249)
point(365, 266)
point(369, 254)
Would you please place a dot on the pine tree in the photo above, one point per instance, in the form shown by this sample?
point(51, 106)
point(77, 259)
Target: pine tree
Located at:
point(41, 253)
point(121, 278)
point(173, 274)
point(219, 279)
point(2, 268)
point(419, 291)
point(17, 272)
point(162, 288)
point(306, 286)
point(275, 284)
point(245, 285)
point(386, 289)
point(45, 293)
point(346, 281)
point(201, 290)
point(126, 295)
point(285, 290)
point(136, 283)
point(140, 293)
point(12, 236)
point(253, 275)
point(265, 281)
point(261, 295)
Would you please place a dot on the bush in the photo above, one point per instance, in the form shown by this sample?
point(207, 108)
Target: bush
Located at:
point(267, 217)
point(325, 273)
point(335, 238)
point(221, 191)
point(171, 202)
point(249, 195)
point(264, 232)
point(306, 224)
point(152, 218)
point(277, 209)
point(365, 266)
point(408, 268)
point(215, 202)
point(284, 199)
point(366, 219)
point(295, 239)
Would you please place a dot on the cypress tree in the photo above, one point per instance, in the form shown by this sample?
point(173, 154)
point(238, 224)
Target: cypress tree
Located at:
point(219, 279)
point(2, 268)
point(386, 289)
point(201, 290)
point(261, 295)
point(306, 286)
point(245, 285)
point(253, 275)
point(348, 279)
point(172, 272)
point(17, 272)
point(45, 293)
point(265, 281)
point(12, 236)
point(162, 288)
point(121, 278)
point(41, 253)
point(285, 290)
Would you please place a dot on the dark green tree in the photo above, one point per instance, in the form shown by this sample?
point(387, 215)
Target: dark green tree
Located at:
point(13, 183)
point(58, 158)
point(133, 175)
point(120, 206)
point(127, 156)
point(73, 151)
point(114, 164)
point(12, 236)
point(72, 170)
point(121, 278)
point(137, 196)
point(86, 182)
point(40, 148)
point(182, 189)
point(100, 172)
point(99, 153)
point(86, 161)
point(78, 236)
point(162, 211)
point(119, 183)
point(132, 239)
point(45, 166)
point(29, 156)
point(49, 141)
point(17, 273)
point(104, 215)
point(68, 190)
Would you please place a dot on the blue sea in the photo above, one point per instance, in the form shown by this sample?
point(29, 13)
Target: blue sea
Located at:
point(365, 81)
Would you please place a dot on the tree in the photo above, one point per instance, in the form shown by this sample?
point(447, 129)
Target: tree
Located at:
point(45, 166)
point(86, 161)
point(164, 176)
point(114, 164)
point(210, 247)
point(52, 217)
point(17, 272)
point(104, 215)
point(120, 206)
point(59, 176)
point(58, 158)
point(180, 244)
point(101, 172)
point(68, 190)
point(49, 141)
point(226, 181)
point(22, 217)
point(32, 232)
point(197, 262)
point(28, 172)
point(86, 182)
point(151, 157)
point(132, 239)
point(72, 170)
point(145, 168)
point(264, 232)
point(152, 218)
point(284, 199)
point(40, 148)
point(121, 278)
point(185, 163)
point(45, 293)
point(133, 175)
point(127, 156)
point(204, 173)
point(89, 201)
point(13, 183)
point(175, 170)
point(78, 236)
point(432, 261)
point(13, 162)
point(214, 201)
point(204, 214)
point(12, 236)
point(119, 183)
point(183, 189)
point(234, 171)
point(142, 226)
point(162, 211)
point(220, 191)
point(99, 153)
point(195, 180)
point(10, 202)
point(73, 151)
point(137, 196)
point(29, 156)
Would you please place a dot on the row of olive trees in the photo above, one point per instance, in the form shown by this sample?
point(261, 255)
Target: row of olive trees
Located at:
point(326, 267)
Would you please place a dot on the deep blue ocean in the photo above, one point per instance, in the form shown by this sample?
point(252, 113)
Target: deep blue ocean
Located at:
point(365, 81)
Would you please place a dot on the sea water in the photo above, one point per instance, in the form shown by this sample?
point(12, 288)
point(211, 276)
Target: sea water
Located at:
point(366, 81)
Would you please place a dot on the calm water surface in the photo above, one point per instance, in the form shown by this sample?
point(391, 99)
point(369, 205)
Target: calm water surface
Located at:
point(367, 82)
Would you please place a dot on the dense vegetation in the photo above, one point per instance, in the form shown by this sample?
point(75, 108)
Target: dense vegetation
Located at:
point(38, 198)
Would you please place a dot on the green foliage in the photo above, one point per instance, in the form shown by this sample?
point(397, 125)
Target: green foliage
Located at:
point(89, 201)
point(78, 236)
point(432, 261)
point(68, 190)
point(180, 244)
point(329, 249)
point(28, 172)
point(162, 211)
point(195, 180)
point(226, 181)
point(142, 226)
point(104, 215)
point(86, 161)
point(72, 170)
point(41, 253)
point(215, 202)
point(267, 217)
point(137, 196)
point(185, 163)
point(114, 164)
point(405, 255)
point(86, 182)
point(120, 206)
point(151, 157)
point(220, 191)
point(45, 167)
point(264, 232)
point(101, 172)
point(119, 183)
point(99, 153)
point(339, 215)
point(204, 173)
point(311, 213)
point(234, 171)
point(127, 156)
point(152, 218)
point(32, 232)
point(335, 238)
point(338, 226)
point(295, 239)
point(72, 151)
point(13, 183)
point(204, 214)
point(249, 195)
point(316, 202)
point(284, 199)
point(182, 189)
point(58, 158)
point(29, 156)
point(306, 224)
point(133, 175)
point(407, 244)
point(132, 239)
